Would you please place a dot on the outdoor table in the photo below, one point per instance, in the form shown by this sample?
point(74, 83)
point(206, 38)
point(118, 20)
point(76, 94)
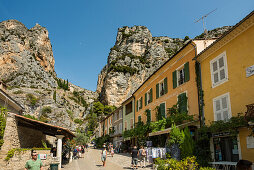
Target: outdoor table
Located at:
point(226, 165)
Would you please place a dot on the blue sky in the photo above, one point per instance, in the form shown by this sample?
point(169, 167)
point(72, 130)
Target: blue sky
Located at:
point(82, 32)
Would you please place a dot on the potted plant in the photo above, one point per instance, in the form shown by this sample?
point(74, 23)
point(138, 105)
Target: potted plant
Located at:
point(176, 138)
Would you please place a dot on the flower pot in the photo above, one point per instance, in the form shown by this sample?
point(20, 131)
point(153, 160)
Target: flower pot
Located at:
point(175, 151)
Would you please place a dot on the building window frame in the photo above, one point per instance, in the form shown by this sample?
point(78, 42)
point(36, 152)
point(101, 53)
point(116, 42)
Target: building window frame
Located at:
point(228, 109)
point(219, 69)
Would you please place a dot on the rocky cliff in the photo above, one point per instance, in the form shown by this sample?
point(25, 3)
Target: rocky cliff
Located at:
point(27, 67)
point(134, 57)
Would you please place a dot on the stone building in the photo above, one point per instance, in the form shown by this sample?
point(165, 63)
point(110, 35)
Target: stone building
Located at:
point(23, 132)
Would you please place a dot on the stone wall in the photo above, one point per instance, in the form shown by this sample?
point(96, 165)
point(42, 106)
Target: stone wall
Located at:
point(20, 137)
point(11, 137)
point(30, 138)
point(19, 160)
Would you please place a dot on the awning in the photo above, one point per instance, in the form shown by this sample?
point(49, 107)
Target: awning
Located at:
point(195, 123)
point(46, 128)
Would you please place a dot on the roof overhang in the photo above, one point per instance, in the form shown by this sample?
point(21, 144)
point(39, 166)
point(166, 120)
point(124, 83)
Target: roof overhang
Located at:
point(10, 101)
point(45, 128)
point(166, 131)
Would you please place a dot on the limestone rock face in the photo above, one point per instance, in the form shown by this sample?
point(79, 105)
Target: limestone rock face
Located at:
point(27, 67)
point(134, 57)
point(26, 56)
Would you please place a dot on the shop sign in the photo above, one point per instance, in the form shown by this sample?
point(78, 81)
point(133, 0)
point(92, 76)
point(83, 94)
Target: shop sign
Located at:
point(250, 71)
point(250, 142)
point(221, 134)
point(42, 156)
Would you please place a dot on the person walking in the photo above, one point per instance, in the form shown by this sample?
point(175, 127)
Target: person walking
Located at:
point(34, 163)
point(142, 156)
point(134, 156)
point(112, 151)
point(104, 156)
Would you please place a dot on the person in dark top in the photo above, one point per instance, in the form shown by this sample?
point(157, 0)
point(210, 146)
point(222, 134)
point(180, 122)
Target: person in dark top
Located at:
point(134, 156)
point(243, 165)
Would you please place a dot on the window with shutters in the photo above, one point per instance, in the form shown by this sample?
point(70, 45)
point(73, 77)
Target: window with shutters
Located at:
point(139, 118)
point(131, 122)
point(128, 108)
point(120, 114)
point(125, 125)
point(161, 88)
point(120, 128)
point(222, 108)
point(181, 75)
point(139, 103)
point(148, 115)
point(219, 71)
point(148, 97)
point(161, 111)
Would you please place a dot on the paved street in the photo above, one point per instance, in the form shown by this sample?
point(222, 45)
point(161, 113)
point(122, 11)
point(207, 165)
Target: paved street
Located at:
point(92, 161)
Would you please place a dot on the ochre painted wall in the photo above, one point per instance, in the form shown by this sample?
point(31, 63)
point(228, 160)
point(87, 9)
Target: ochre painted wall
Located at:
point(247, 153)
point(186, 55)
point(240, 55)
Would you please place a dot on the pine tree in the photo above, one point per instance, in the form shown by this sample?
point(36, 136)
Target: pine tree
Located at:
point(187, 147)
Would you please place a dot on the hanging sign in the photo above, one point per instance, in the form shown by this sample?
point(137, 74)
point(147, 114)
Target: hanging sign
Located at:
point(250, 71)
point(42, 156)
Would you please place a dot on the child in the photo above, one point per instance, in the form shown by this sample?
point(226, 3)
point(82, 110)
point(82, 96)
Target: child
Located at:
point(104, 156)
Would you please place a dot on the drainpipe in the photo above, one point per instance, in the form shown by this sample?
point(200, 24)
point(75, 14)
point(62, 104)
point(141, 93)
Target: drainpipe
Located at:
point(134, 110)
point(200, 98)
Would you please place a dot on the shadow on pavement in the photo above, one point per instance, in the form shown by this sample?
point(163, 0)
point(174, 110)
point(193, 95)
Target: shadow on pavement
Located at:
point(99, 165)
point(127, 168)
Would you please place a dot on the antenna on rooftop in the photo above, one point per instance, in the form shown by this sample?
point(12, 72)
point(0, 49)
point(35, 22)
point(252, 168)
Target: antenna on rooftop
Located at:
point(203, 20)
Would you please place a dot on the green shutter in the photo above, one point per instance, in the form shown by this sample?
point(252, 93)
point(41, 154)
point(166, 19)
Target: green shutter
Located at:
point(174, 80)
point(186, 72)
point(145, 99)
point(182, 103)
point(139, 118)
point(141, 102)
point(157, 91)
point(148, 116)
point(137, 105)
point(166, 85)
point(162, 110)
point(151, 95)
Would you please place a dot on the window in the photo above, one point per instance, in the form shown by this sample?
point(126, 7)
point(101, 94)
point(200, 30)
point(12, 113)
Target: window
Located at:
point(218, 67)
point(181, 75)
point(149, 97)
point(120, 128)
point(182, 103)
point(161, 88)
point(148, 115)
point(161, 111)
point(131, 123)
point(120, 114)
point(125, 125)
point(128, 108)
point(139, 119)
point(221, 107)
point(139, 103)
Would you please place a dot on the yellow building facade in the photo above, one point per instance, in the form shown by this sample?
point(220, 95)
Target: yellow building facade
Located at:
point(227, 69)
point(174, 81)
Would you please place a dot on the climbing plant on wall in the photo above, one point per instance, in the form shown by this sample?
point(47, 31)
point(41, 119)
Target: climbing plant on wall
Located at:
point(3, 111)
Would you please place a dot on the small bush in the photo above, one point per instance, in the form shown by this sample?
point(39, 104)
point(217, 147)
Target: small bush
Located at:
point(18, 92)
point(32, 99)
point(78, 121)
point(70, 113)
point(46, 109)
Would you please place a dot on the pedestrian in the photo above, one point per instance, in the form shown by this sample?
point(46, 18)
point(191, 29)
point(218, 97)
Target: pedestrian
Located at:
point(82, 150)
point(243, 165)
point(134, 156)
point(75, 153)
point(142, 156)
point(79, 151)
point(112, 151)
point(104, 156)
point(34, 163)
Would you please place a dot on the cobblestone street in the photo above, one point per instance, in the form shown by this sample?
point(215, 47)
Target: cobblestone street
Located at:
point(92, 161)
